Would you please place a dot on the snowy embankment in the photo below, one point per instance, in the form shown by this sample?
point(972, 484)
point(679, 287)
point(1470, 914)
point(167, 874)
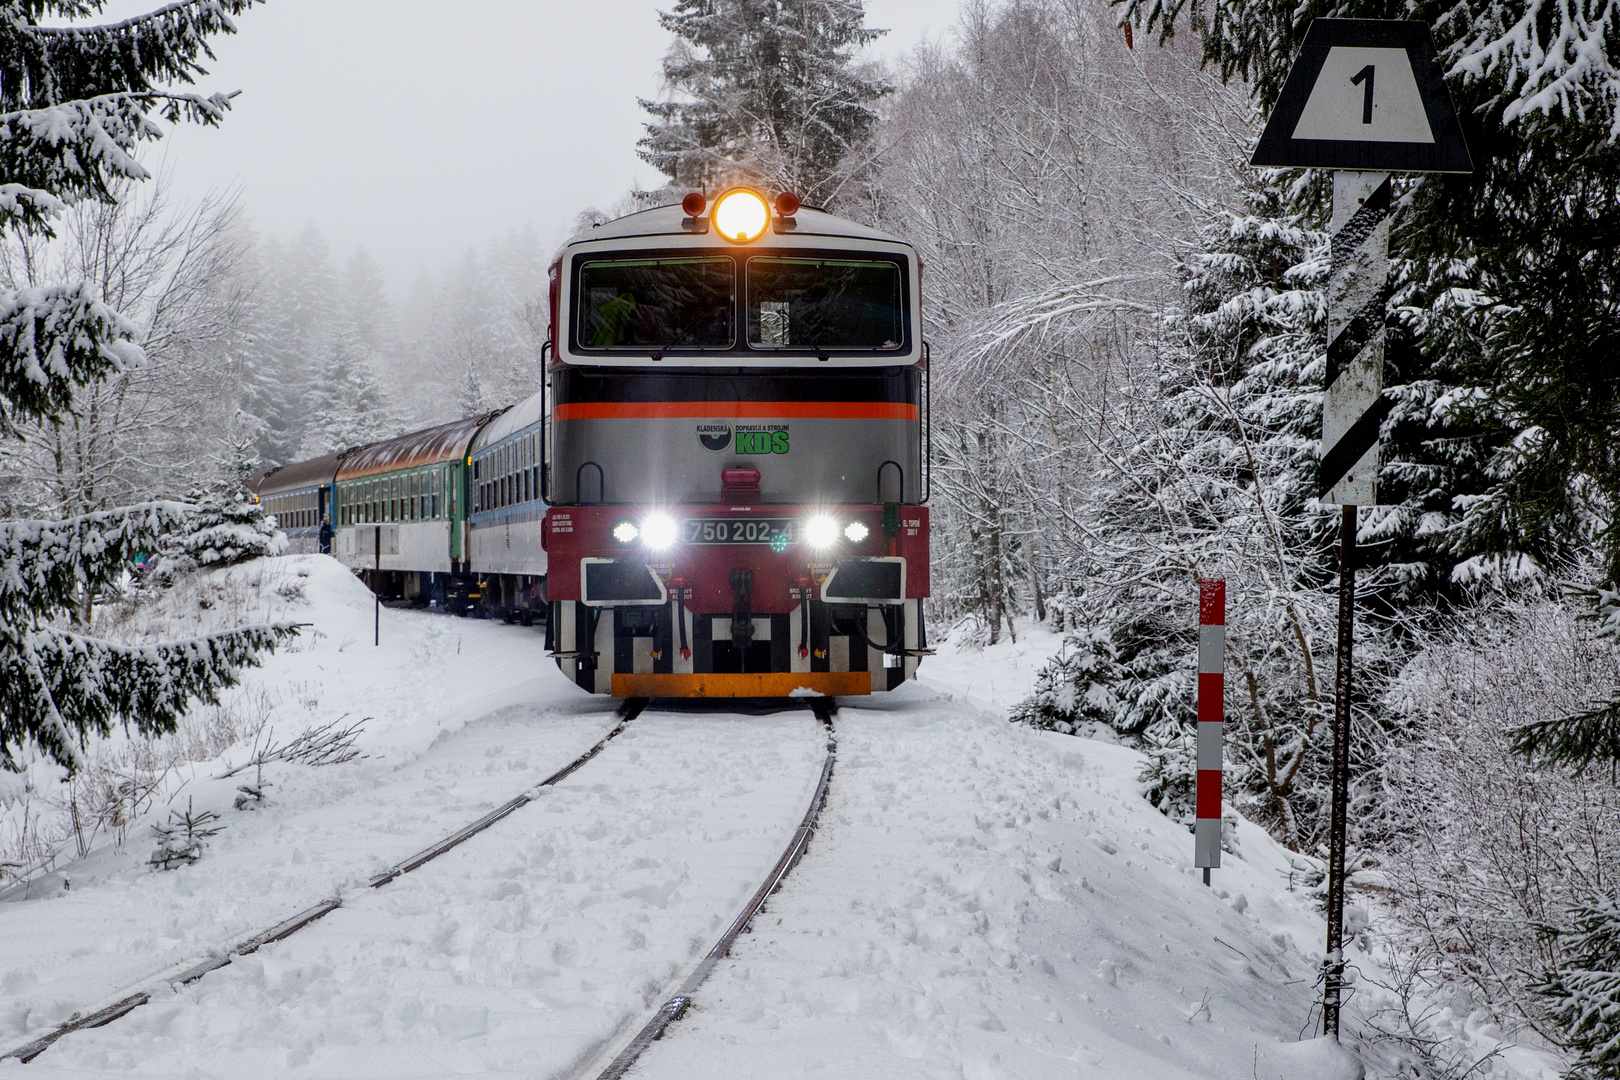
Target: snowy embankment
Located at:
point(982, 900)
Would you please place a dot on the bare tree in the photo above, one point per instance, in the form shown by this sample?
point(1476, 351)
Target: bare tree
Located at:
point(1491, 849)
point(1050, 176)
point(178, 274)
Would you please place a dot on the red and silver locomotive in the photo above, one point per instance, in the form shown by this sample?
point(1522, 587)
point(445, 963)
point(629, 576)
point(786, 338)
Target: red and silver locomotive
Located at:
point(734, 454)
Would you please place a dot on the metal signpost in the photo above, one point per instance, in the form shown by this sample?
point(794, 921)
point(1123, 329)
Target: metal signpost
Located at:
point(1211, 714)
point(1365, 98)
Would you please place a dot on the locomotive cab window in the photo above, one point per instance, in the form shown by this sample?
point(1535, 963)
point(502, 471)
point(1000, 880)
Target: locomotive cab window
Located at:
point(656, 304)
point(825, 304)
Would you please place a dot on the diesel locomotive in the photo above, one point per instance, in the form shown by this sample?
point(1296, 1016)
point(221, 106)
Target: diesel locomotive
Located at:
point(719, 488)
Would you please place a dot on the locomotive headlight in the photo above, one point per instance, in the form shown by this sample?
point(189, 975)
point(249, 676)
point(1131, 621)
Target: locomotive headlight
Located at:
point(741, 216)
point(658, 531)
point(855, 531)
point(625, 532)
point(821, 531)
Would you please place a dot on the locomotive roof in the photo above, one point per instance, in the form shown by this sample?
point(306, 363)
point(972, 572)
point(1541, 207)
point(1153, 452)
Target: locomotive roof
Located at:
point(666, 221)
point(300, 474)
point(429, 446)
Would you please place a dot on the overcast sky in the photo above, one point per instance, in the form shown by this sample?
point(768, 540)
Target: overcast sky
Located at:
point(419, 128)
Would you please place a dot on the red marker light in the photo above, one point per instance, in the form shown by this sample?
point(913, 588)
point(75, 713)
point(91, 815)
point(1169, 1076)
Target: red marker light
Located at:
point(739, 479)
point(694, 203)
point(787, 204)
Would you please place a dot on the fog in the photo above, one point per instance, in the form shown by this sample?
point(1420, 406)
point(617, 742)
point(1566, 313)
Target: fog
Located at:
point(419, 133)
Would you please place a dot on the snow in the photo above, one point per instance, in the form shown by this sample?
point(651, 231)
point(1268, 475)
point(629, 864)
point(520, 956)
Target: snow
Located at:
point(981, 899)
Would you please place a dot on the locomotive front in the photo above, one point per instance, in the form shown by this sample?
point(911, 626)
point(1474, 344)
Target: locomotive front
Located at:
point(735, 454)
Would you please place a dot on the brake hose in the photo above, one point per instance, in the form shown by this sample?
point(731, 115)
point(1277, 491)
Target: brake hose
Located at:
point(894, 647)
point(680, 616)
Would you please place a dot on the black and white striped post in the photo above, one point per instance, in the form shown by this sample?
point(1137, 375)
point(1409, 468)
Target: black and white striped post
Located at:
point(1353, 408)
point(1365, 98)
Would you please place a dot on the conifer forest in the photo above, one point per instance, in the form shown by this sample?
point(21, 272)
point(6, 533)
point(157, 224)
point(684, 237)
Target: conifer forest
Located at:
point(1127, 328)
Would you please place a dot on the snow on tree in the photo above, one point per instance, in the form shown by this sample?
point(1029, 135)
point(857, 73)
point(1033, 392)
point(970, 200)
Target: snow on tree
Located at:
point(175, 274)
point(1046, 174)
point(59, 686)
point(470, 402)
point(763, 90)
point(223, 527)
point(53, 340)
point(1584, 988)
point(294, 323)
point(348, 406)
point(1206, 467)
point(1511, 274)
point(181, 840)
point(77, 101)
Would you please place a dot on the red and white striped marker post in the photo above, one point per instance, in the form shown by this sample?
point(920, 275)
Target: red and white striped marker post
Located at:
point(1211, 696)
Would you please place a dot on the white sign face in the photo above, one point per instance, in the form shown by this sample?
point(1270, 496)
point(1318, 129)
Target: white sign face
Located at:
point(1365, 95)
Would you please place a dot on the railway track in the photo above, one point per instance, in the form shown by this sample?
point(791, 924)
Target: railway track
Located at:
point(628, 1053)
point(194, 970)
point(676, 1006)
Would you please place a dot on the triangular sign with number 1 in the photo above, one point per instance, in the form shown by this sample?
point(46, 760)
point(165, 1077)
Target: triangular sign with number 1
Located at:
point(1365, 95)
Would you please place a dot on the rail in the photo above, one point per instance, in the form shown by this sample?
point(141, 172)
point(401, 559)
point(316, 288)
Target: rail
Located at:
point(128, 1003)
point(672, 1010)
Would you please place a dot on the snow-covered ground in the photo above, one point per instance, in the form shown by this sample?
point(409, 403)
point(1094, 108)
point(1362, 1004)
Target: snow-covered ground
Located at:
point(981, 900)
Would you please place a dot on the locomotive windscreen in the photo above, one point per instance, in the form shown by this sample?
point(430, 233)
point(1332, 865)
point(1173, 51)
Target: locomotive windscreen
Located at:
point(824, 304)
point(657, 304)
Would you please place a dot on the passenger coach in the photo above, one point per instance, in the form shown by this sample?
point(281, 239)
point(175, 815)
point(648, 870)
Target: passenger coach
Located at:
point(300, 496)
point(402, 515)
point(735, 455)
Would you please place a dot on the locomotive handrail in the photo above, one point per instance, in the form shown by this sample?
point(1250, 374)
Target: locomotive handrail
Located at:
point(545, 424)
point(897, 468)
point(925, 419)
point(579, 482)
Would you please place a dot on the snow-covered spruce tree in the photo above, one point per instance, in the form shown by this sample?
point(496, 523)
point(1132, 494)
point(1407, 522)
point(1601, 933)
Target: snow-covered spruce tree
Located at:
point(77, 102)
point(1207, 468)
point(1583, 991)
point(299, 306)
point(1511, 272)
point(348, 407)
point(225, 526)
point(763, 90)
